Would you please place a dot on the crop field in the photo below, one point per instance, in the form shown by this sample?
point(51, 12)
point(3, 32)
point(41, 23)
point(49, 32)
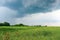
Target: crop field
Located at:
point(29, 33)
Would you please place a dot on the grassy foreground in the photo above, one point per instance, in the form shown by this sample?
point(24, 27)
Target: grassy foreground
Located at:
point(29, 33)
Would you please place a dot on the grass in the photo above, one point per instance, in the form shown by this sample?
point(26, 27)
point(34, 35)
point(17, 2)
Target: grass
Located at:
point(29, 33)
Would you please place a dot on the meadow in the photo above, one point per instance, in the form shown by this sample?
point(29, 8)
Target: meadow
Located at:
point(29, 33)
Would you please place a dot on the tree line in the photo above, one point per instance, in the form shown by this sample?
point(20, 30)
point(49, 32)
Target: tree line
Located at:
point(8, 24)
point(5, 24)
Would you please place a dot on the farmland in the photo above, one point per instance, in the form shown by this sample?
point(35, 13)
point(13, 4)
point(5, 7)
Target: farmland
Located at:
point(29, 33)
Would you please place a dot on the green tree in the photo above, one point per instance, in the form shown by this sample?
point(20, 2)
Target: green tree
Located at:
point(21, 24)
point(1, 24)
point(6, 24)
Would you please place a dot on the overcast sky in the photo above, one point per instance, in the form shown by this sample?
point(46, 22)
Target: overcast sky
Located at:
point(31, 12)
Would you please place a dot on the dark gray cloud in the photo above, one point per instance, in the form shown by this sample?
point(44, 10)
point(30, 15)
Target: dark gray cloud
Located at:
point(40, 6)
point(12, 9)
point(30, 6)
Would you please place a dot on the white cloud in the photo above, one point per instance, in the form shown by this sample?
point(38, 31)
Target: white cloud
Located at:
point(7, 14)
point(49, 18)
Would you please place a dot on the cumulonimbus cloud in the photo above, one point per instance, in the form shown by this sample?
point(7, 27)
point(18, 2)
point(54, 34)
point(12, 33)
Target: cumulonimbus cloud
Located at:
point(31, 6)
point(12, 9)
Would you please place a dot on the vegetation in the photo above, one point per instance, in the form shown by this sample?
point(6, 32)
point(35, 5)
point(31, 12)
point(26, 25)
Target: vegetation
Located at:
point(26, 32)
point(29, 33)
point(8, 24)
point(19, 24)
point(5, 24)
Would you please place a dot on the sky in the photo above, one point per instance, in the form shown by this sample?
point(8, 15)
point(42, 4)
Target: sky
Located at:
point(30, 12)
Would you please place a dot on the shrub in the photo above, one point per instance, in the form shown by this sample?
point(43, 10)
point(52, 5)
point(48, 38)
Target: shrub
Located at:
point(21, 24)
point(37, 26)
point(45, 25)
point(1, 24)
point(5, 24)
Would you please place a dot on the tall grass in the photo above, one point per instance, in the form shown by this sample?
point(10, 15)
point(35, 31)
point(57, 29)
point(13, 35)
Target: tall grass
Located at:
point(30, 33)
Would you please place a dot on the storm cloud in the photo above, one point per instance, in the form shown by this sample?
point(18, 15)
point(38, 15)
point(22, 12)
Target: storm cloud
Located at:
point(30, 6)
point(13, 9)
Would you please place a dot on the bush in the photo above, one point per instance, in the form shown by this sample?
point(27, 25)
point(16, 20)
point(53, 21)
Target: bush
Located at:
point(1, 24)
point(19, 25)
point(45, 25)
point(5, 24)
point(37, 26)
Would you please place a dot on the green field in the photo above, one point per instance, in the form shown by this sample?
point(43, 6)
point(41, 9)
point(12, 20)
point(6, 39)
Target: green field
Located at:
point(29, 33)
